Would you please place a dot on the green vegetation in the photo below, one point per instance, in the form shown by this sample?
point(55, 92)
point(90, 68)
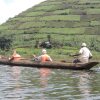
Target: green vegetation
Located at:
point(61, 18)
point(5, 43)
point(68, 22)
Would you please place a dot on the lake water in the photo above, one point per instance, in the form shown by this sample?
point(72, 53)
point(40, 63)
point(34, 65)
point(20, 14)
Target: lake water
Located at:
point(20, 83)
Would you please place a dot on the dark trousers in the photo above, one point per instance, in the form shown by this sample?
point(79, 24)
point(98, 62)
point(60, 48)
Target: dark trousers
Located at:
point(76, 61)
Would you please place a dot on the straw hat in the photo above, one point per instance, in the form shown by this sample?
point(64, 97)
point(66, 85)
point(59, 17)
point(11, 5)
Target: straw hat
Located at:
point(44, 51)
point(83, 45)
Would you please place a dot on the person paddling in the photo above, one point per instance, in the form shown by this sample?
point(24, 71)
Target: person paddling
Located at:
point(43, 58)
point(15, 56)
point(84, 54)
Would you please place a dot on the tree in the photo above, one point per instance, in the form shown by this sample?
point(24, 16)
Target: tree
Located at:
point(5, 43)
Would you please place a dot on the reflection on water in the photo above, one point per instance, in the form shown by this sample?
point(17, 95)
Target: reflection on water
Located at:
point(15, 72)
point(19, 83)
point(44, 73)
point(84, 85)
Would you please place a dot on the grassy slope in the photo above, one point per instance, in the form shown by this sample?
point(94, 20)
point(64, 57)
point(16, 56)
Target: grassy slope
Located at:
point(68, 21)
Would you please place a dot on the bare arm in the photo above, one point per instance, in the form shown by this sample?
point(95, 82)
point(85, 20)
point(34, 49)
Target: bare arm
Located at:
point(76, 54)
point(36, 58)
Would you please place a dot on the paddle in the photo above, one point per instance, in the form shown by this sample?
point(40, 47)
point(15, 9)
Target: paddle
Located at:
point(70, 55)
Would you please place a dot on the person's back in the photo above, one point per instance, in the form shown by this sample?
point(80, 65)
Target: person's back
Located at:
point(84, 54)
point(45, 57)
point(15, 56)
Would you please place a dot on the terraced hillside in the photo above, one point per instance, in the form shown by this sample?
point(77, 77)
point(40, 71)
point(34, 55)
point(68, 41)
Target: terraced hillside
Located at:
point(68, 21)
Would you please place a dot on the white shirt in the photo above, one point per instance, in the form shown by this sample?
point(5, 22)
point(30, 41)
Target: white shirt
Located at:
point(85, 52)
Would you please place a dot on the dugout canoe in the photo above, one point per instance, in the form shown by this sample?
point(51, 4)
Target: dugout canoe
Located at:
point(54, 65)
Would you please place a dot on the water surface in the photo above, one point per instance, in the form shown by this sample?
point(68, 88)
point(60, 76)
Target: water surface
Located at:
point(20, 83)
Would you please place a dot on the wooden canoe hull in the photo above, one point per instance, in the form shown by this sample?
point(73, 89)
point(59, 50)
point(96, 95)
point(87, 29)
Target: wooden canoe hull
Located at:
point(54, 65)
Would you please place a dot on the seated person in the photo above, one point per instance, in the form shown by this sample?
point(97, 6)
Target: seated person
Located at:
point(84, 54)
point(15, 56)
point(44, 57)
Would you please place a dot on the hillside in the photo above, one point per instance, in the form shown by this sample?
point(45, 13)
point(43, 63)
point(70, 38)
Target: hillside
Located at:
point(68, 21)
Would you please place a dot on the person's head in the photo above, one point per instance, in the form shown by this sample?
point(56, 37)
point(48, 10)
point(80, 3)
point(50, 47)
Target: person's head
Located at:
point(83, 45)
point(44, 51)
